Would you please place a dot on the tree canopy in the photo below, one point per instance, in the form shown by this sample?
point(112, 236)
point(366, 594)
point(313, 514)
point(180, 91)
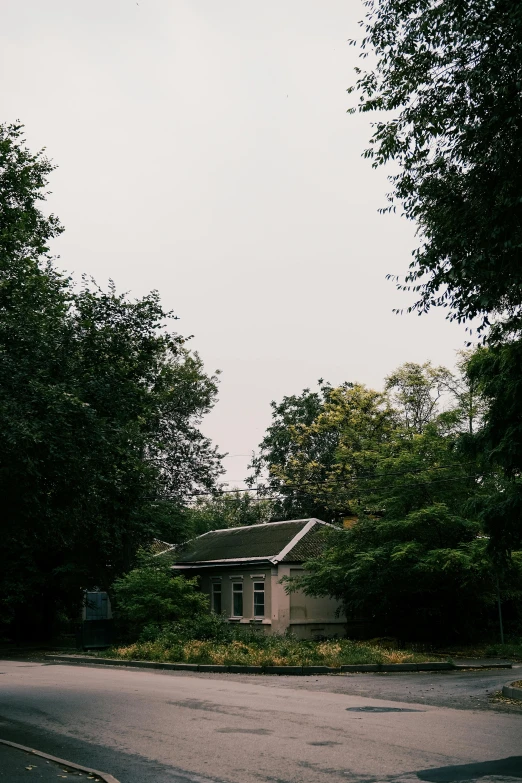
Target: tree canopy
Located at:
point(445, 85)
point(100, 406)
point(413, 558)
point(229, 508)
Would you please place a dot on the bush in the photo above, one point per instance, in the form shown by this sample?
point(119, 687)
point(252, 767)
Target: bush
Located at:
point(250, 648)
point(149, 598)
point(202, 627)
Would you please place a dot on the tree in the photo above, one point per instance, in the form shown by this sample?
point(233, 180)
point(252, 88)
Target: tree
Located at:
point(317, 445)
point(446, 85)
point(416, 563)
point(277, 468)
point(25, 231)
point(150, 597)
point(416, 391)
point(318, 452)
point(100, 407)
point(34, 340)
point(226, 509)
point(498, 443)
point(469, 403)
point(423, 577)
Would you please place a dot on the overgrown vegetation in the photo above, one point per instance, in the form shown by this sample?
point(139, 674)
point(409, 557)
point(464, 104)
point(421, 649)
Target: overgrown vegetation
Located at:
point(100, 406)
point(232, 508)
point(149, 598)
point(417, 560)
point(100, 403)
point(255, 649)
point(511, 650)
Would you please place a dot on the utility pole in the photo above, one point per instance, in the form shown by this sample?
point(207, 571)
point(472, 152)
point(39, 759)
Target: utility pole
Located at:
point(499, 604)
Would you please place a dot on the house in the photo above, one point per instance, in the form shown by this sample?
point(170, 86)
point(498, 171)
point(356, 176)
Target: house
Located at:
point(241, 569)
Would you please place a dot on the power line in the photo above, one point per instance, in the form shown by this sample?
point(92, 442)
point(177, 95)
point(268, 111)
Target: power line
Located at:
point(310, 494)
point(368, 477)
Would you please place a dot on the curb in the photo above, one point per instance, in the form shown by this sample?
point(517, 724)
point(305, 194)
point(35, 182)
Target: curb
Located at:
point(434, 666)
point(512, 692)
point(101, 775)
point(464, 666)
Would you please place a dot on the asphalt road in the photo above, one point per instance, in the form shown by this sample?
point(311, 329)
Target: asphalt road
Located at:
point(159, 727)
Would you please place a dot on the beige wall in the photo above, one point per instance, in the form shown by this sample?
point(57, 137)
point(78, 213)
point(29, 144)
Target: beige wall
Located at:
point(304, 616)
point(247, 576)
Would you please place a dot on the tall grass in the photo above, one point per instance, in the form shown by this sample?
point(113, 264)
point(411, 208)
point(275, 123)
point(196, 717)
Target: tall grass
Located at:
point(264, 651)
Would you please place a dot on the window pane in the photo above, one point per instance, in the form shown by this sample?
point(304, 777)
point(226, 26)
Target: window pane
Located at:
point(237, 592)
point(259, 599)
point(216, 598)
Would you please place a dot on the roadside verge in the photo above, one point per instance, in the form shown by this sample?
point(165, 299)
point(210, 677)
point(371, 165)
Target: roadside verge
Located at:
point(434, 666)
point(513, 691)
point(103, 776)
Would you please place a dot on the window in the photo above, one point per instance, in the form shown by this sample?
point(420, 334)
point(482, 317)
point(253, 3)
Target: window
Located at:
point(237, 599)
point(259, 599)
point(216, 597)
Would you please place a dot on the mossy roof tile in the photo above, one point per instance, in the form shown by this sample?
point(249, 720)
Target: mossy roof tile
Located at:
point(240, 543)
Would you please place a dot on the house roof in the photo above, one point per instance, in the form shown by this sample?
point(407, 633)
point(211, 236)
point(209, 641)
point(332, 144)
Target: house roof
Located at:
point(309, 546)
point(160, 547)
point(292, 541)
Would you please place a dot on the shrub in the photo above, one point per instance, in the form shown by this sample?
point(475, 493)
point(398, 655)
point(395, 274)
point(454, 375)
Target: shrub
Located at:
point(245, 647)
point(149, 598)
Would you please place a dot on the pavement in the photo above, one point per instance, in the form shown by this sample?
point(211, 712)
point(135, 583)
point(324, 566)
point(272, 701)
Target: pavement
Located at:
point(174, 727)
point(17, 766)
point(460, 690)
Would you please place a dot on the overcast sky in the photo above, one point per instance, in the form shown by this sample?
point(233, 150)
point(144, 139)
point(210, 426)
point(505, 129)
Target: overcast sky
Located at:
point(204, 149)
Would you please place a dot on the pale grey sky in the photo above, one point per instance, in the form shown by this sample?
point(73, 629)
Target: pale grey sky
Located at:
point(205, 150)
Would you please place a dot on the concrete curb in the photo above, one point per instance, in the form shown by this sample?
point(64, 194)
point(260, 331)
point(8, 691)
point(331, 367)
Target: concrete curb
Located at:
point(512, 692)
point(464, 666)
point(434, 666)
point(101, 775)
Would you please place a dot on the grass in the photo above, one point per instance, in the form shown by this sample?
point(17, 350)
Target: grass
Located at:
point(511, 650)
point(267, 651)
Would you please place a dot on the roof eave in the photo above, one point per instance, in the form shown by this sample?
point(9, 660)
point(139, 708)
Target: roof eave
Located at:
point(241, 561)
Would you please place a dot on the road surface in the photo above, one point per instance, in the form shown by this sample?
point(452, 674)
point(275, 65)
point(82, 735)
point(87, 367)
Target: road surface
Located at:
point(162, 727)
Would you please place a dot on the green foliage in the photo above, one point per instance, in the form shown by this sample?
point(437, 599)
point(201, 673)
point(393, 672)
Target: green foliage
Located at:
point(329, 457)
point(25, 231)
point(498, 443)
point(277, 468)
point(200, 626)
point(497, 372)
point(100, 407)
point(426, 576)
point(229, 509)
point(416, 563)
point(446, 84)
point(317, 445)
point(150, 597)
point(419, 566)
point(511, 649)
point(256, 649)
point(416, 391)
